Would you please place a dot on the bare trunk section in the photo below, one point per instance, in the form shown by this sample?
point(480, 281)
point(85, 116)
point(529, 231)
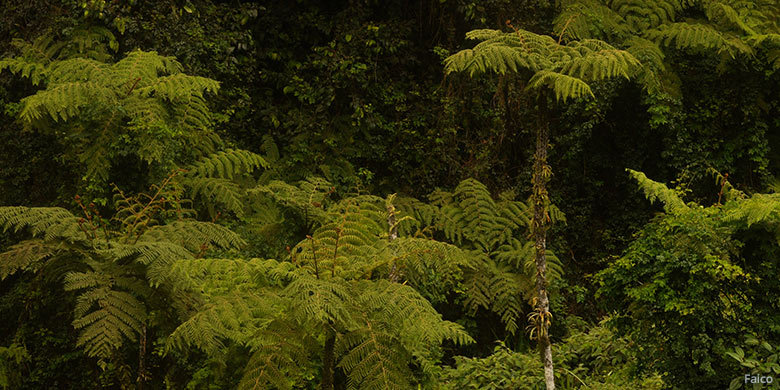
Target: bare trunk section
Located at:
point(539, 223)
point(392, 235)
point(142, 375)
point(328, 362)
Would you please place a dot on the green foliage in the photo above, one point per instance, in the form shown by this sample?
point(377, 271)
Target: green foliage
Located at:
point(217, 179)
point(333, 286)
point(501, 275)
point(11, 358)
point(142, 106)
point(307, 198)
point(760, 359)
point(589, 358)
point(657, 191)
point(116, 265)
point(755, 209)
point(681, 256)
point(565, 69)
point(647, 29)
point(353, 91)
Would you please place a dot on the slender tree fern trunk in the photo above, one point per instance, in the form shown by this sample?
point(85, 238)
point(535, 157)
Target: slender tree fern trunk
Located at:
point(142, 361)
point(541, 176)
point(328, 361)
point(392, 235)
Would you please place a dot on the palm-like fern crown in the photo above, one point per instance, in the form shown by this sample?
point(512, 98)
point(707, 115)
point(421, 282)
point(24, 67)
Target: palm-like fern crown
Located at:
point(143, 100)
point(115, 264)
point(334, 283)
point(565, 68)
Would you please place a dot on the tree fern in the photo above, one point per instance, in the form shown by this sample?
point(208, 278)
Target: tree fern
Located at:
point(565, 69)
point(142, 102)
point(86, 41)
point(279, 350)
point(115, 265)
point(647, 29)
point(543, 64)
point(333, 286)
point(497, 267)
point(51, 223)
point(727, 27)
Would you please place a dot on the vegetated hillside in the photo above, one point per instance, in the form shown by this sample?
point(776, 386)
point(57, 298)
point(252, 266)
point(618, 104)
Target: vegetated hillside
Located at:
point(389, 195)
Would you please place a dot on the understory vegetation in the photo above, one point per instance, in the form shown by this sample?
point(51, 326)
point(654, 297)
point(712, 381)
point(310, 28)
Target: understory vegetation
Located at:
point(442, 195)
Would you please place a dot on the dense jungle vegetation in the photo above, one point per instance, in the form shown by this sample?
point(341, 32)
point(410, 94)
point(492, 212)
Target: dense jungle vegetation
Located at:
point(347, 194)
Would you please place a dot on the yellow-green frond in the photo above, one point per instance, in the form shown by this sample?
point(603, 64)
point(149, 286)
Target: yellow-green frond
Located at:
point(657, 191)
point(564, 86)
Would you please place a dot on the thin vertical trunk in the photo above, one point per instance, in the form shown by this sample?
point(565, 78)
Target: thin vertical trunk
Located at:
point(541, 176)
point(328, 361)
point(392, 235)
point(142, 361)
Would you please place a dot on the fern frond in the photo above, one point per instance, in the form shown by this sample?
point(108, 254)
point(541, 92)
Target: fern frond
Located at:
point(372, 359)
point(323, 301)
point(34, 58)
point(692, 36)
point(193, 235)
point(497, 287)
point(156, 256)
point(145, 66)
point(595, 60)
point(230, 317)
point(76, 70)
point(64, 101)
point(26, 255)
point(106, 316)
point(397, 323)
point(193, 114)
point(422, 215)
point(565, 86)
point(215, 177)
point(652, 58)
point(234, 307)
point(657, 191)
point(224, 192)
point(756, 209)
point(144, 99)
point(227, 164)
point(587, 19)
point(720, 12)
point(307, 198)
point(423, 261)
point(522, 255)
point(177, 86)
point(474, 214)
point(642, 15)
point(51, 223)
point(278, 352)
point(501, 53)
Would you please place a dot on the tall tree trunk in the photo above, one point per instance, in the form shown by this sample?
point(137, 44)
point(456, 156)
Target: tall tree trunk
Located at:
point(539, 223)
point(328, 361)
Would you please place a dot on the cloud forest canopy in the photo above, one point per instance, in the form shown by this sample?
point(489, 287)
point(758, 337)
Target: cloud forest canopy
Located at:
point(456, 194)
